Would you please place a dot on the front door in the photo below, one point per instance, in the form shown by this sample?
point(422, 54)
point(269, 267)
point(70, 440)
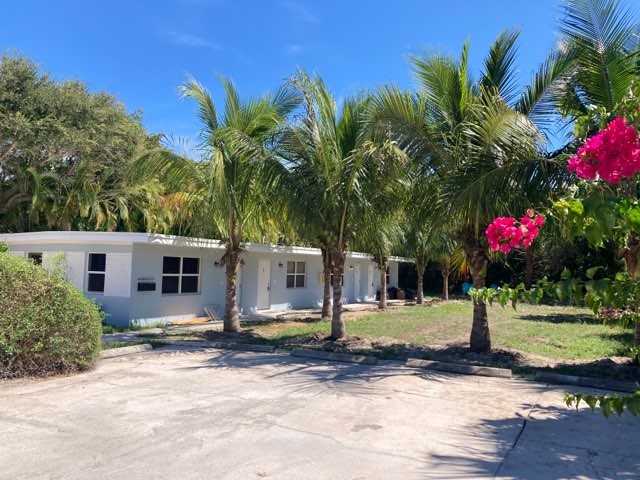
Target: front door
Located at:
point(370, 283)
point(264, 284)
point(357, 291)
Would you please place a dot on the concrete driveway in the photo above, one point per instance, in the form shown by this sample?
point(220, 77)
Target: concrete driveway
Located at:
point(211, 414)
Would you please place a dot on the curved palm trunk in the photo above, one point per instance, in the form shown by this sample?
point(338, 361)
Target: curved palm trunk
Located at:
point(480, 339)
point(326, 275)
point(382, 303)
point(338, 329)
point(420, 286)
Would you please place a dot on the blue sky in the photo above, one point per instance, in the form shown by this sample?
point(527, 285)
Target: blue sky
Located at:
point(141, 51)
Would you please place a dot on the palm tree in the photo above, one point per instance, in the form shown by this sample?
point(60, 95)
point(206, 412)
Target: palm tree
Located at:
point(338, 173)
point(601, 38)
point(480, 153)
point(228, 192)
point(418, 247)
point(381, 236)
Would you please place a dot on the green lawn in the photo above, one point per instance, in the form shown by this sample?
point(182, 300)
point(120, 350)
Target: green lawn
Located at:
point(554, 332)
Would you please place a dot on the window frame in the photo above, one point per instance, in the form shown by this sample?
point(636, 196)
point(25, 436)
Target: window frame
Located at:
point(96, 272)
point(36, 257)
point(180, 275)
point(296, 274)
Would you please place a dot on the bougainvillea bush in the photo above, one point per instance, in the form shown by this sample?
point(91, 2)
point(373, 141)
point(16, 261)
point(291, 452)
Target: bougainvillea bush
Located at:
point(602, 206)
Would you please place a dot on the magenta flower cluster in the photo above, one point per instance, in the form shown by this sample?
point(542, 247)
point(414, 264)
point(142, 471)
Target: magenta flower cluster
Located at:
point(612, 154)
point(506, 233)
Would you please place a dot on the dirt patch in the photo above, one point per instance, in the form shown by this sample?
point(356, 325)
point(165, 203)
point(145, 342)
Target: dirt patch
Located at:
point(455, 350)
point(218, 336)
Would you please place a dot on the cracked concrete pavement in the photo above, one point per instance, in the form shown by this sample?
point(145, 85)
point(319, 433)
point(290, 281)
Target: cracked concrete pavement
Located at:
point(211, 414)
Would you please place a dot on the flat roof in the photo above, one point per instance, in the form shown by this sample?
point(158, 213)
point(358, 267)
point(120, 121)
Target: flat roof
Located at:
point(131, 238)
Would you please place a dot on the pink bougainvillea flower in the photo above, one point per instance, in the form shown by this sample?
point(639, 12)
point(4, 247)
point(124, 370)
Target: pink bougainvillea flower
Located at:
point(505, 233)
point(611, 154)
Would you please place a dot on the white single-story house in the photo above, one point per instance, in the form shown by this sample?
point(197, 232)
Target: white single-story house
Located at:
point(147, 278)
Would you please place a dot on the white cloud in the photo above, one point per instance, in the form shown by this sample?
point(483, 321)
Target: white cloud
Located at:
point(188, 40)
point(295, 49)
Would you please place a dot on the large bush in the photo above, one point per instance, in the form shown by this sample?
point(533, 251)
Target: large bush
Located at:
point(46, 325)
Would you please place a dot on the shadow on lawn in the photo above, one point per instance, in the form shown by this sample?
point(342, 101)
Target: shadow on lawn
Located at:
point(620, 369)
point(625, 338)
point(563, 318)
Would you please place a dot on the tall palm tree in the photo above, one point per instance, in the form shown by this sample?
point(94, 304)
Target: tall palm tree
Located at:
point(229, 191)
point(338, 172)
point(479, 152)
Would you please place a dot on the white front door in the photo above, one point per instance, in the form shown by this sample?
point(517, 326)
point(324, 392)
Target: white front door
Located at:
point(370, 283)
point(264, 284)
point(357, 291)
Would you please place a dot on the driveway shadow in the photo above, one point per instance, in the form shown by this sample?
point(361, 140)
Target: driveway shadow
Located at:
point(550, 444)
point(306, 374)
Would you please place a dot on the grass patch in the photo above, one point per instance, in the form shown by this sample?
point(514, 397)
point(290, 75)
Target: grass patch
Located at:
point(153, 343)
point(106, 329)
point(554, 332)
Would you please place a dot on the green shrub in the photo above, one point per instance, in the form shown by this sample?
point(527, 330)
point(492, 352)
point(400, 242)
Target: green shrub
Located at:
point(46, 325)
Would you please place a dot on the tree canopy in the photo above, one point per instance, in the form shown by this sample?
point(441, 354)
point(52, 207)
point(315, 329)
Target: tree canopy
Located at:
point(65, 156)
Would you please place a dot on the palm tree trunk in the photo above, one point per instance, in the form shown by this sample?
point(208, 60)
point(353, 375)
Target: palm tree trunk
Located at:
point(480, 339)
point(326, 277)
point(338, 328)
point(382, 303)
point(528, 276)
point(419, 290)
point(231, 321)
point(630, 256)
point(446, 272)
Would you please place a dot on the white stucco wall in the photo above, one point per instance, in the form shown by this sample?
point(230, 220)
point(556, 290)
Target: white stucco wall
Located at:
point(115, 300)
point(153, 306)
point(135, 258)
point(281, 297)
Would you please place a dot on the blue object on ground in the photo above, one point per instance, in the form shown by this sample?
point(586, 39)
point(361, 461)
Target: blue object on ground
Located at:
point(466, 286)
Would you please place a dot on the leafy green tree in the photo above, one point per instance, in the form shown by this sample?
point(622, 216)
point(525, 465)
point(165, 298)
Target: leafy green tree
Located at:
point(227, 194)
point(339, 171)
point(65, 156)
